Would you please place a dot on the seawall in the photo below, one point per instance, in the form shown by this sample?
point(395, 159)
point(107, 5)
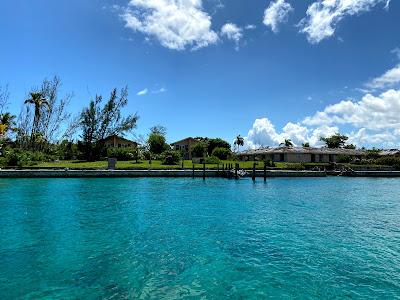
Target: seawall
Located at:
point(144, 173)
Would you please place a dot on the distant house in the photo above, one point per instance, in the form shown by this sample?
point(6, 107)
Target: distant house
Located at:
point(389, 152)
point(300, 154)
point(118, 142)
point(185, 146)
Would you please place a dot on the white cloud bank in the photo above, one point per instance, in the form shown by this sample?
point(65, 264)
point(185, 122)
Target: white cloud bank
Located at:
point(276, 13)
point(323, 16)
point(263, 134)
point(176, 24)
point(373, 121)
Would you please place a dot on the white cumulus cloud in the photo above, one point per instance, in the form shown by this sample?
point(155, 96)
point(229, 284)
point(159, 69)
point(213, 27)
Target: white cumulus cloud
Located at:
point(263, 134)
point(276, 13)
point(388, 79)
point(323, 16)
point(371, 112)
point(176, 24)
point(232, 32)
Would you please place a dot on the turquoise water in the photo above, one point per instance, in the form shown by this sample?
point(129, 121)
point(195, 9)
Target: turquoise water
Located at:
point(320, 238)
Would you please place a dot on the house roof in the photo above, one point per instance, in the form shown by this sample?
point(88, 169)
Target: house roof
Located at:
point(389, 152)
point(188, 139)
point(303, 150)
point(119, 137)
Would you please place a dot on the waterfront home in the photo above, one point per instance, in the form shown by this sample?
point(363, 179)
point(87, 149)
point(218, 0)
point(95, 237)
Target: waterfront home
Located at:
point(118, 142)
point(300, 154)
point(185, 146)
point(389, 152)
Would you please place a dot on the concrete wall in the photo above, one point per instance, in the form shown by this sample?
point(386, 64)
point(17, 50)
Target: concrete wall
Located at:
point(177, 173)
point(144, 173)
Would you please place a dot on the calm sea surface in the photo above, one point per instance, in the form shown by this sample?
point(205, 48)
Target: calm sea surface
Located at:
point(319, 238)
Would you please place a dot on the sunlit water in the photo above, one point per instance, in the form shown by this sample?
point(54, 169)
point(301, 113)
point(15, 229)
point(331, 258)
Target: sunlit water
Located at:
point(306, 238)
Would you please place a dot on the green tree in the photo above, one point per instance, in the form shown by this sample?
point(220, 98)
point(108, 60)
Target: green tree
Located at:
point(335, 141)
point(306, 145)
point(221, 153)
point(39, 102)
point(239, 141)
point(199, 150)
point(217, 143)
point(350, 146)
point(159, 129)
point(97, 122)
point(157, 143)
point(287, 143)
point(7, 123)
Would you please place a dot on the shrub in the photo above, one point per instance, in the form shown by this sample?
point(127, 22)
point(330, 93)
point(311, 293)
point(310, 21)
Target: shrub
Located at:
point(19, 158)
point(129, 153)
point(212, 160)
point(171, 157)
point(344, 159)
point(217, 143)
point(296, 167)
point(388, 161)
point(221, 153)
point(270, 164)
point(67, 150)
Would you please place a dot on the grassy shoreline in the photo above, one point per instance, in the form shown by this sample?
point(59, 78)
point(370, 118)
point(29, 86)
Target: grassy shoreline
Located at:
point(155, 164)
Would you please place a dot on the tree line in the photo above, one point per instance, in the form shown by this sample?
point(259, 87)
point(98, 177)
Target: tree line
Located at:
point(45, 130)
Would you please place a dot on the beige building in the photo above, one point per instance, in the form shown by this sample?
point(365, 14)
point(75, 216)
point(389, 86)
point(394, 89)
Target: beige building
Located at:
point(185, 146)
point(118, 142)
point(300, 154)
point(389, 152)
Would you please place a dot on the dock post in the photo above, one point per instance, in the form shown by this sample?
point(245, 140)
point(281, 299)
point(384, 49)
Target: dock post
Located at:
point(236, 170)
point(204, 171)
point(254, 172)
point(218, 170)
point(265, 171)
point(193, 171)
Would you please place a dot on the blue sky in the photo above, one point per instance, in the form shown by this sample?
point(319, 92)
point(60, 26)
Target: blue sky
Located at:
point(268, 70)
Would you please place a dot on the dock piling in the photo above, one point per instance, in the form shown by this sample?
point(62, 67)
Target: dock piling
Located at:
point(236, 170)
point(265, 171)
point(254, 172)
point(204, 171)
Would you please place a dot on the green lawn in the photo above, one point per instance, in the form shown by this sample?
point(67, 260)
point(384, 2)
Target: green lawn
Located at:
point(144, 165)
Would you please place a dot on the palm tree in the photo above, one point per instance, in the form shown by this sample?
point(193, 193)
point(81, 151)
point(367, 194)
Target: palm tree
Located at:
point(239, 142)
point(288, 143)
point(38, 101)
point(6, 122)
